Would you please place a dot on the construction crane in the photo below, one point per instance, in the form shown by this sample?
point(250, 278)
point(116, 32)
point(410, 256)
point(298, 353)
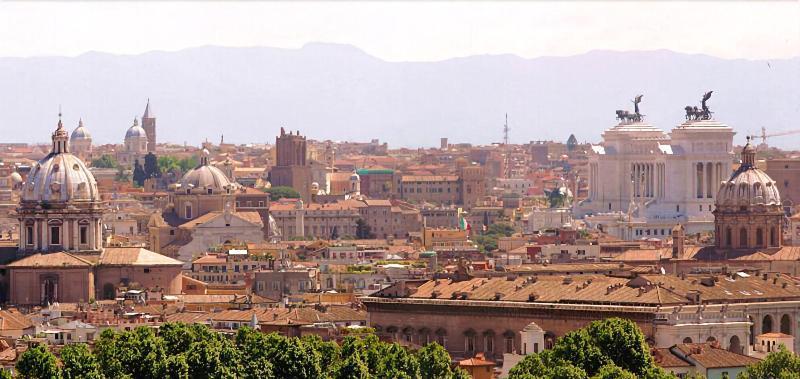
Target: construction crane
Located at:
point(764, 135)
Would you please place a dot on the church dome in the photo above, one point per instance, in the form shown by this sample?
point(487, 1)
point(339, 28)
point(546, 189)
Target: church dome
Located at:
point(748, 185)
point(60, 176)
point(80, 133)
point(207, 177)
point(135, 131)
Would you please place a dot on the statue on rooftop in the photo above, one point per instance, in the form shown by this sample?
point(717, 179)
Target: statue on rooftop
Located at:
point(704, 113)
point(627, 117)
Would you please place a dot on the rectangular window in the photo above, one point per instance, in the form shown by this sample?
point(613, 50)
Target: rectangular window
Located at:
point(29, 235)
point(55, 235)
point(84, 235)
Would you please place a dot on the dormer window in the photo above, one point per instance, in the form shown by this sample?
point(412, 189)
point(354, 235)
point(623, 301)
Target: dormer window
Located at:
point(210, 191)
point(188, 191)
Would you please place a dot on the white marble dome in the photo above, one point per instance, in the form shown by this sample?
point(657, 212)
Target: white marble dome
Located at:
point(60, 176)
point(748, 185)
point(206, 176)
point(80, 133)
point(135, 131)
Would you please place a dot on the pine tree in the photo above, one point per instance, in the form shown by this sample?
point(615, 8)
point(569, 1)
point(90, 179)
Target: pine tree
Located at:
point(138, 174)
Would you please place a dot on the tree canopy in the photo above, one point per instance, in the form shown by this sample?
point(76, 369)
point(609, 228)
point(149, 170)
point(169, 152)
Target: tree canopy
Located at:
point(609, 348)
point(183, 351)
point(280, 192)
point(487, 241)
point(781, 364)
point(105, 161)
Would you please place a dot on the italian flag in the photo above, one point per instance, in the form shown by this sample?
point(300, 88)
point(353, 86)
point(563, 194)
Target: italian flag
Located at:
point(463, 224)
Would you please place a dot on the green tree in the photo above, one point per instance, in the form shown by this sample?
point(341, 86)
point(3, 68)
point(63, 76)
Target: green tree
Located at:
point(105, 161)
point(214, 358)
point(623, 342)
point(578, 348)
point(363, 230)
point(38, 363)
point(151, 169)
point(168, 163)
point(781, 364)
point(460, 373)
point(5, 374)
point(353, 368)
point(187, 164)
point(176, 367)
point(434, 362)
point(136, 353)
point(79, 363)
point(487, 241)
point(292, 360)
point(397, 363)
point(106, 350)
point(280, 192)
point(612, 371)
point(602, 348)
point(138, 173)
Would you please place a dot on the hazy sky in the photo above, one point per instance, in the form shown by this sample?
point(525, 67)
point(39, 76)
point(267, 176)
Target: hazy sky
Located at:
point(413, 31)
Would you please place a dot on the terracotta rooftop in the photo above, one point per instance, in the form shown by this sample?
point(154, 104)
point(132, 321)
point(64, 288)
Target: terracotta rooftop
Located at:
point(477, 360)
point(643, 290)
point(135, 256)
point(14, 320)
point(210, 259)
point(774, 335)
point(710, 356)
point(59, 259)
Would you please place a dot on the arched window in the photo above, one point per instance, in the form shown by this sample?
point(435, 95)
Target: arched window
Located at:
point(742, 238)
point(759, 237)
point(786, 324)
point(711, 339)
point(766, 324)
point(728, 237)
point(687, 340)
point(735, 346)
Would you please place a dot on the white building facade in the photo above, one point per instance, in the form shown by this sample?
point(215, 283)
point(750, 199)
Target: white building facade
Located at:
point(642, 181)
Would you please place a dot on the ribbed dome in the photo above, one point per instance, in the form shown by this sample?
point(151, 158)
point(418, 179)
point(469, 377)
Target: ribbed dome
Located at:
point(80, 133)
point(60, 176)
point(748, 185)
point(135, 130)
point(207, 177)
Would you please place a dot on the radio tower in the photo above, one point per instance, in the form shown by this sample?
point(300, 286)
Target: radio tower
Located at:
point(506, 152)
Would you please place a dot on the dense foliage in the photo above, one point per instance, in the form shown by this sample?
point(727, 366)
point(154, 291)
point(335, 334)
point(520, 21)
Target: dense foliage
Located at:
point(151, 169)
point(609, 348)
point(168, 163)
point(105, 161)
point(781, 364)
point(195, 351)
point(487, 241)
point(139, 175)
point(280, 192)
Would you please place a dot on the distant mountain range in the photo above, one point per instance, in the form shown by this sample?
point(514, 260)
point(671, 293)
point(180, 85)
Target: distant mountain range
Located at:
point(338, 92)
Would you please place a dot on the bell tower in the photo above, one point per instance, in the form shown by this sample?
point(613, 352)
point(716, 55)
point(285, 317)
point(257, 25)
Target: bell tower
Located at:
point(149, 126)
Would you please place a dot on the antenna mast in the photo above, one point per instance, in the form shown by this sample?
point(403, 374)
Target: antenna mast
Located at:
point(506, 151)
